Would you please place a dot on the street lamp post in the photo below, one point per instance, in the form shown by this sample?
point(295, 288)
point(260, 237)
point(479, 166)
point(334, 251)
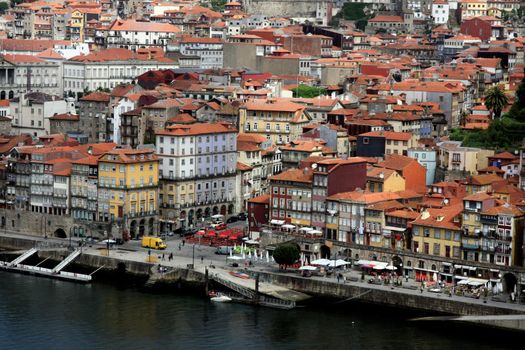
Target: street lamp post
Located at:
point(193, 256)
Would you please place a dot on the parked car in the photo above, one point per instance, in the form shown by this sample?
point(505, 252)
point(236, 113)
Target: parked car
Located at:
point(232, 219)
point(215, 224)
point(221, 227)
point(223, 250)
point(242, 216)
point(188, 232)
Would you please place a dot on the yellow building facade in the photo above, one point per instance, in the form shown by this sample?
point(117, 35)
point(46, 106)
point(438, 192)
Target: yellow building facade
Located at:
point(278, 120)
point(438, 232)
point(128, 190)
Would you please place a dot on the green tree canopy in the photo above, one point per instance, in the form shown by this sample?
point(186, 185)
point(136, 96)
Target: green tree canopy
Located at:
point(496, 100)
point(286, 254)
point(306, 91)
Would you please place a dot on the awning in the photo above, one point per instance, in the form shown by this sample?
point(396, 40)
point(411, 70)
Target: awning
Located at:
point(494, 270)
point(277, 222)
point(288, 226)
point(445, 274)
point(427, 270)
point(474, 282)
point(461, 277)
point(444, 263)
point(306, 229)
point(393, 228)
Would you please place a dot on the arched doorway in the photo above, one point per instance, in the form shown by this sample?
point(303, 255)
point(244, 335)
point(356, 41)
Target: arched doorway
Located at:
point(11, 95)
point(509, 282)
point(190, 217)
point(325, 252)
point(60, 233)
point(397, 262)
point(152, 227)
point(141, 227)
point(133, 229)
point(207, 212)
point(199, 214)
point(215, 210)
point(230, 209)
point(223, 210)
point(2, 95)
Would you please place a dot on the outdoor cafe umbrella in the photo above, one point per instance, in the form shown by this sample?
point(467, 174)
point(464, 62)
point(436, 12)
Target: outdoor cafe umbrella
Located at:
point(323, 262)
point(390, 267)
point(338, 263)
point(288, 226)
point(235, 257)
point(308, 268)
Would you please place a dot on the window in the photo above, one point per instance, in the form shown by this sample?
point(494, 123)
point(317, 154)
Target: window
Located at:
point(366, 140)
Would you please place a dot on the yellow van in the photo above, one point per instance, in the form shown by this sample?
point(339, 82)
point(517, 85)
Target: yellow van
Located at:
point(153, 242)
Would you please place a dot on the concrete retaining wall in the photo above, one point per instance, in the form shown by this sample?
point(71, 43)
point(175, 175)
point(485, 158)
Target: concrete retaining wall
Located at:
point(281, 8)
point(395, 298)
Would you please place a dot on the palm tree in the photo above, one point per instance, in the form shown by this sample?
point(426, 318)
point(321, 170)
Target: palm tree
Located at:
point(496, 100)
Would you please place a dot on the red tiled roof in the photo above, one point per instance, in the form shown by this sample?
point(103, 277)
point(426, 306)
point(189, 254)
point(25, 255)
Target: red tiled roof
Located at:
point(197, 129)
point(65, 116)
point(132, 25)
point(96, 97)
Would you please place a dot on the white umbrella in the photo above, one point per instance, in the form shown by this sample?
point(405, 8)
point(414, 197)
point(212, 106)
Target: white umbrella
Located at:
point(391, 267)
point(235, 257)
point(337, 263)
point(315, 232)
point(308, 268)
point(288, 226)
point(323, 262)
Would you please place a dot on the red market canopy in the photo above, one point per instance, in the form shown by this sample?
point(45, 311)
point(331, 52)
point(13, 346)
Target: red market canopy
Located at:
point(224, 234)
point(200, 233)
point(211, 233)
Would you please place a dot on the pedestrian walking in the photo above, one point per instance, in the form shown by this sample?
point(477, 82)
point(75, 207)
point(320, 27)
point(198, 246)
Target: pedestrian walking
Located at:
point(202, 259)
point(338, 277)
point(179, 246)
point(183, 242)
point(162, 256)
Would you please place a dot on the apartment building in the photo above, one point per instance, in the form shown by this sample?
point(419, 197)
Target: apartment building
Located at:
point(278, 120)
point(128, 183)
point(198, 167)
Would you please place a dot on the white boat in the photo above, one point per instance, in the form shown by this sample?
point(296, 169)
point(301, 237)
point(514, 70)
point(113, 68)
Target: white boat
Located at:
point(221, 299)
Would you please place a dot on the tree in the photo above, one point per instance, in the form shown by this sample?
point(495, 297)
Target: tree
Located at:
point(3, 7)
point(286, 254)
point(496, 100)
point(306, 91)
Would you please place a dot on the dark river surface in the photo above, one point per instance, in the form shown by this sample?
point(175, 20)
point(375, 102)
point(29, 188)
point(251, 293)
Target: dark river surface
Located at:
point(40, 313)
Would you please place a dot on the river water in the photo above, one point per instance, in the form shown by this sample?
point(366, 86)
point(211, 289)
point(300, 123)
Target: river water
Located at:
point(40, 313)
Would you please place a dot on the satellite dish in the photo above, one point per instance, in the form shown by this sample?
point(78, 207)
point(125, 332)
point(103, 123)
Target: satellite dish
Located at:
point(314, 166)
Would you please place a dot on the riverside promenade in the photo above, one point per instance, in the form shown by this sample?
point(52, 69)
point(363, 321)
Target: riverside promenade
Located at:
point(191, 262)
